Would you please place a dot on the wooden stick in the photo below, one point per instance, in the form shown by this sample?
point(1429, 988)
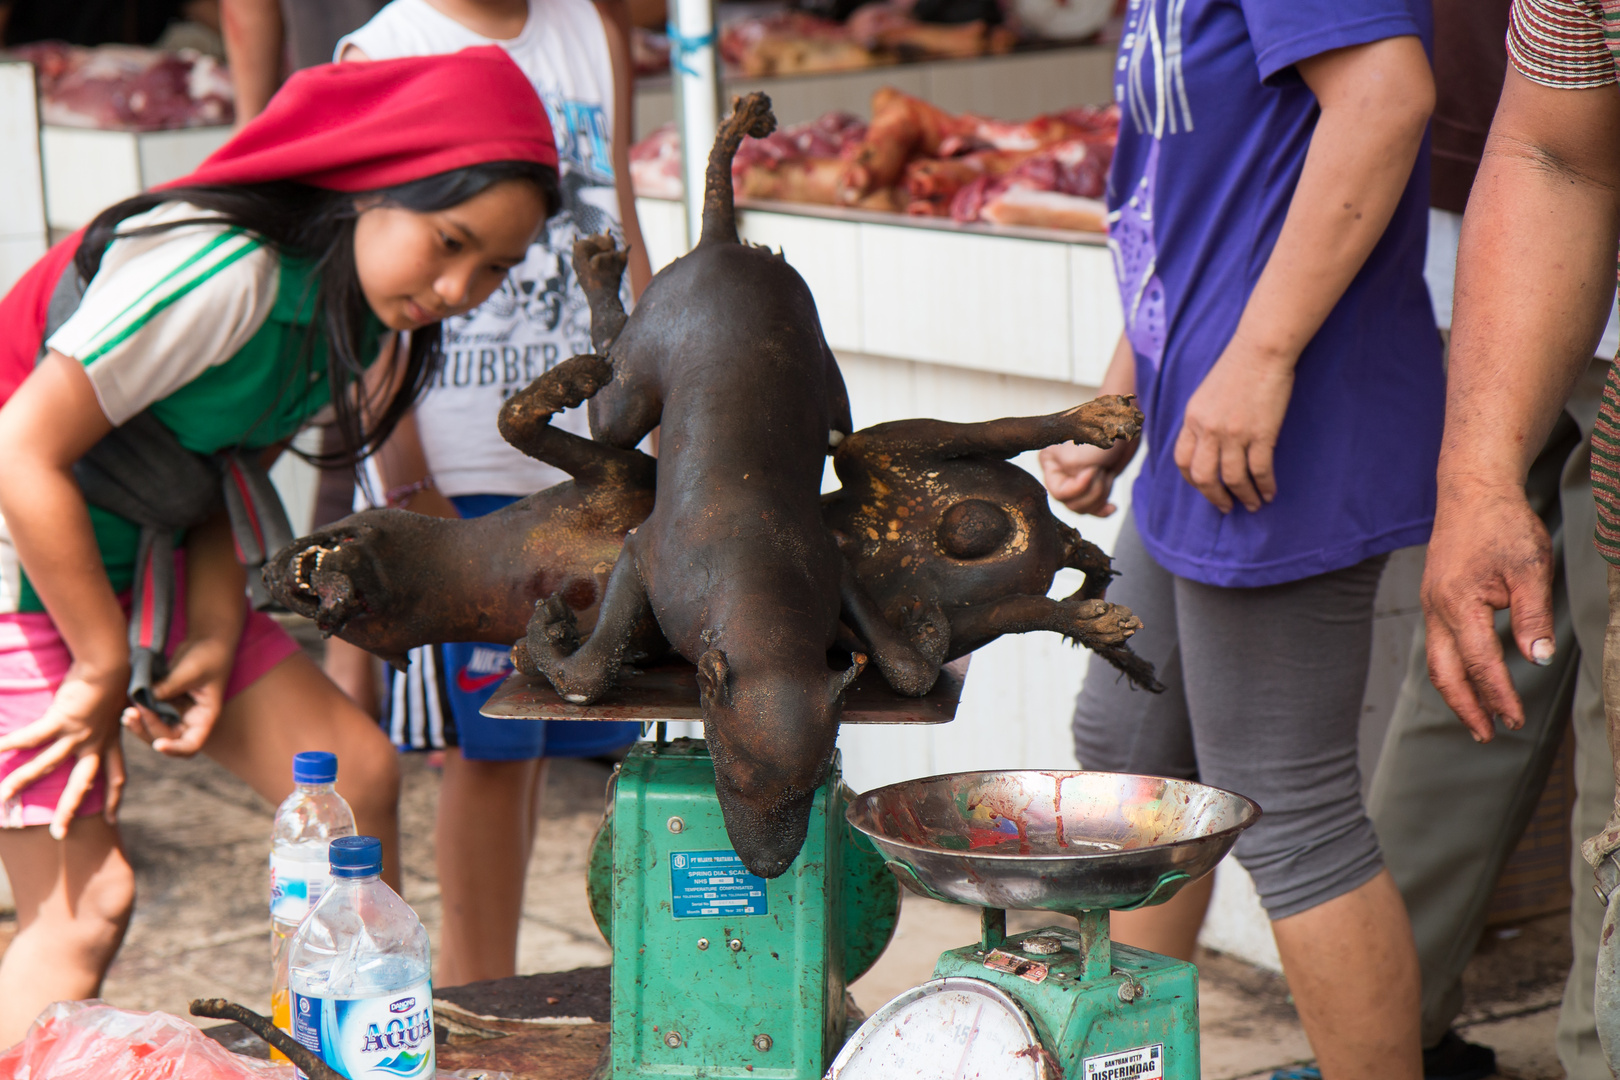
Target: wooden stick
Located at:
point(300, 1055)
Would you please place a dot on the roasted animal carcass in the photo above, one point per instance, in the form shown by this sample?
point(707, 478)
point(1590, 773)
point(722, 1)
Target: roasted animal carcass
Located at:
point(965, 529)
point(931, 513)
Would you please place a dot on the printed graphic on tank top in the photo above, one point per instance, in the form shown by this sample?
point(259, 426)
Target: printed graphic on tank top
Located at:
point(539, 317)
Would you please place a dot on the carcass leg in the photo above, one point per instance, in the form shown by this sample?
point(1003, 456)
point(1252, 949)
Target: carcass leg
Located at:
point(599, 265)
point(583, 673)
point(1081, 554)
point(1098, 625)
point(525, 422)
point(909, 657)
point(1100, 422)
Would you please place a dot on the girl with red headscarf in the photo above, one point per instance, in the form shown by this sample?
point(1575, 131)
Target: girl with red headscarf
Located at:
point(217, 317)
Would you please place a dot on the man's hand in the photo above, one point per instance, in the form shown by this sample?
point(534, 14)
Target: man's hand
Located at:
point(1535, 280)
point(1082, 477)
point(1489, 551)
point(1229, 433)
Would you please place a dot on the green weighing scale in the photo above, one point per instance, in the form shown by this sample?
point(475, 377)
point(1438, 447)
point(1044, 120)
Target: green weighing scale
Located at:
point(720, 974)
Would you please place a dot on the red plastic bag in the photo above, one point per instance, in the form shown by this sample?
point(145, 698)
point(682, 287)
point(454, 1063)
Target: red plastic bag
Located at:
point(91, 1040)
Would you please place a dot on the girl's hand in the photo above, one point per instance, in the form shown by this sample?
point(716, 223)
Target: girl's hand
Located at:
point(1082, 477)
point(196, 687)
point(1229, 432)
point(82, 723)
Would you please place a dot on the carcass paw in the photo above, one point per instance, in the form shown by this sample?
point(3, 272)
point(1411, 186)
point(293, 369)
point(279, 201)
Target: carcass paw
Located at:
point(1106, 420)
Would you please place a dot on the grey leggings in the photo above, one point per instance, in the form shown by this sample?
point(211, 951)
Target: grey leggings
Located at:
point(1263, 697)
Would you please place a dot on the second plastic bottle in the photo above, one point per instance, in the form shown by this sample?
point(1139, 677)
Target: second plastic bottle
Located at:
point(359, 967)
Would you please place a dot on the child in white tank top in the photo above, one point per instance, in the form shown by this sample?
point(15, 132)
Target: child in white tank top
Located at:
point(576, 54)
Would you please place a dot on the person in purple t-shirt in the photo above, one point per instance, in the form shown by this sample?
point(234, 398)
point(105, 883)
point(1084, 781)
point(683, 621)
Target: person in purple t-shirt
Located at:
point(1268, 213)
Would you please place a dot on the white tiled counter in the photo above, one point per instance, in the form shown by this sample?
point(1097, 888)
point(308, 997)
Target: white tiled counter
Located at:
point(87, 170)
point(22, 200)
point(1032, 303)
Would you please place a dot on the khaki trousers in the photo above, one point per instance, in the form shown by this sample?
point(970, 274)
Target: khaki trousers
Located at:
point(1448, 811)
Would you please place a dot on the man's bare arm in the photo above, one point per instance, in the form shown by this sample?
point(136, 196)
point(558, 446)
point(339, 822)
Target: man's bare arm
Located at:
point(1535, 278)
point(253, 44)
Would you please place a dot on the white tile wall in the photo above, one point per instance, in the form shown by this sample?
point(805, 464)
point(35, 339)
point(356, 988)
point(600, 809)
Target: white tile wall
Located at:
point(826, 254)
point(17, 254)
point(1095, 316)
point(87, 171)
point(967, 300)
point(1032, 308)
point(22, 189)
point(22, 199)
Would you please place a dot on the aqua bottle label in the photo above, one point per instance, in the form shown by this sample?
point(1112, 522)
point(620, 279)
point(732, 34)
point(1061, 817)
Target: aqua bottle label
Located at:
point(296, 886)
point(371, 1038)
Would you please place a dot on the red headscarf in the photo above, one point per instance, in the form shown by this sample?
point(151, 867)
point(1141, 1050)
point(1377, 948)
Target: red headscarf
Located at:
point(344, 127)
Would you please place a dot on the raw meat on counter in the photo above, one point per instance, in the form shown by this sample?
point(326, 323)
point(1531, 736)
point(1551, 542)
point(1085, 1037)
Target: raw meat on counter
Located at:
point(655, 164)
point(127, 88)
point(801, 163)
point(915, 158)
point(800, 43)
point(791, 43)
point(797, 164)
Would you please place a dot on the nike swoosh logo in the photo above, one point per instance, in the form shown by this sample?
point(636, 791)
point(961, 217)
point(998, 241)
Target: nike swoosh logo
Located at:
point(471, 684)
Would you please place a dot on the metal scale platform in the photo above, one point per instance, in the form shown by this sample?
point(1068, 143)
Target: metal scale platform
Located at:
point(717, 973)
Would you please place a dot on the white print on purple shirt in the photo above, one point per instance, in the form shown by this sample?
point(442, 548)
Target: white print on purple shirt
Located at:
point(1130, 228)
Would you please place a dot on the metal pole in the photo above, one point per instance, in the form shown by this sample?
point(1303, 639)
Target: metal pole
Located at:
point(694, 56)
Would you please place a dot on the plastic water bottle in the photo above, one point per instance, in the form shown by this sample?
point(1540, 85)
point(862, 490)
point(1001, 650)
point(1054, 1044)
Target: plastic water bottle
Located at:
point(307, 820)
point(362, 996)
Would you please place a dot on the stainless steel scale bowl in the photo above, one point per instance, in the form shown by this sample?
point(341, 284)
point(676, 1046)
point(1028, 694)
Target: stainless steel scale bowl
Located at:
point(1051, 840)
point(1060, 1003)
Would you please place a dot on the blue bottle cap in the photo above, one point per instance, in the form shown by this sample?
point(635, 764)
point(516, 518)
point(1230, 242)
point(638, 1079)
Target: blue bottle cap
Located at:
point(314, 767)
point(355, 856)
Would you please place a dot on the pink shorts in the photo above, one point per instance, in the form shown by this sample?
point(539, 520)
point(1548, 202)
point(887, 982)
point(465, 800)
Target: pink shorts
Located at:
point(33, 661)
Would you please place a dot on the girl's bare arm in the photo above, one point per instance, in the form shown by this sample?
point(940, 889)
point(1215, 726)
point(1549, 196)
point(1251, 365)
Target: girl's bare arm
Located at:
point(616, 21)
point(46, 426)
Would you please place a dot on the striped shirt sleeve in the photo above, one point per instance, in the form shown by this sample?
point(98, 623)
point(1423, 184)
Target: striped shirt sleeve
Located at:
point(1561, 43)
point(165, 307)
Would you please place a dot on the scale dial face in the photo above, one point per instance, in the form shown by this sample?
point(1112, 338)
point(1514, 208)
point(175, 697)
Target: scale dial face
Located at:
point(947, 1029)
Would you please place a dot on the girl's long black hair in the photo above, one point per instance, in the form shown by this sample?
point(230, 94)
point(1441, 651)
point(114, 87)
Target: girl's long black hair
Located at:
point(309, 222)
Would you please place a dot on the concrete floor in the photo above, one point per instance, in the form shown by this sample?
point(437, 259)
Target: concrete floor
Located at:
point(199, 840)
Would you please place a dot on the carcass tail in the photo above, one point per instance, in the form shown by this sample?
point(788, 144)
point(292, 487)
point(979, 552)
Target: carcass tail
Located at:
point(750, 115)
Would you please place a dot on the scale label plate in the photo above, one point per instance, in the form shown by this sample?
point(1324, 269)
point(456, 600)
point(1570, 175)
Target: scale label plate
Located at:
point(1137, 1063)
point(1030, 970)
point(703, 884)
